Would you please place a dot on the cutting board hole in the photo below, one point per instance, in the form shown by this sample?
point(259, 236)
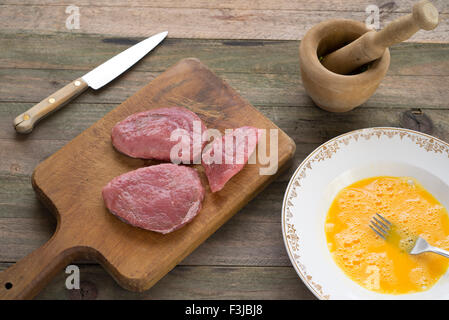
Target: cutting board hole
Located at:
point(8, 285)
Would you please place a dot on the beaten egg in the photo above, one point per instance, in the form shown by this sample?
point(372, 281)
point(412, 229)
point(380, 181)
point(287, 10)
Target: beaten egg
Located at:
point(386, 266)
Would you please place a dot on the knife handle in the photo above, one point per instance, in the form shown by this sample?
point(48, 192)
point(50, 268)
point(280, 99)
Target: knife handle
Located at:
point(25, 122)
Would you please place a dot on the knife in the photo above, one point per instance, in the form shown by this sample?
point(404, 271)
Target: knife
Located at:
point(95, 79)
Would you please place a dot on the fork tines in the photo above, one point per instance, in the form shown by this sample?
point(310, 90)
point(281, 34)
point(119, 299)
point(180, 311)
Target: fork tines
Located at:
point(380, 226)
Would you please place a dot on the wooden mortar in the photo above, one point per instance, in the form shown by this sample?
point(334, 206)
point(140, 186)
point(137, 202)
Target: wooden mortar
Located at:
point(343, 62)
point(331, 91)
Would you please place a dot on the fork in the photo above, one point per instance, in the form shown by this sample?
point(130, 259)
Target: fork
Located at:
point(382, 227)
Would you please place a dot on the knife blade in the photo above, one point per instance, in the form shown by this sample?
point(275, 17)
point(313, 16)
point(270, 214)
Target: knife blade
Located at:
point(96, 78)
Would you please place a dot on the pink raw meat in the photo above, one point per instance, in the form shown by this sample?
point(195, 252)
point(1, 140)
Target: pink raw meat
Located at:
point(233, 158)
point(147, 134)
point(159, 198)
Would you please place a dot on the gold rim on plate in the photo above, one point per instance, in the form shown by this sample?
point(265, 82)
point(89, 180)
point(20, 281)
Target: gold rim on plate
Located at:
point(325, 152)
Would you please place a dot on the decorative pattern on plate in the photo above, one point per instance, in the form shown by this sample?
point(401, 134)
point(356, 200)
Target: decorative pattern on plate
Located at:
point(327, 151)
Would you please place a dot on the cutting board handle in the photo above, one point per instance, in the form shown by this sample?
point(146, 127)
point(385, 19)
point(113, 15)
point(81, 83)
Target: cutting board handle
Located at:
point(28, 276)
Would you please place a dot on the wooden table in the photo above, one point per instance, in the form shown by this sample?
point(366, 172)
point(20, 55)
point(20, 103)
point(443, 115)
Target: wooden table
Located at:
point(252, 46)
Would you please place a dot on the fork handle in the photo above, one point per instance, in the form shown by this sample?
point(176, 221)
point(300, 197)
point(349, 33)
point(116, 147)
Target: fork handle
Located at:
point(439, 251)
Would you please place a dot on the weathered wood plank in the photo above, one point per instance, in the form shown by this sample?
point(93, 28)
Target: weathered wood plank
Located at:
point(274, 86)
point(262, 244)
point(188, 22)
point(419, 59)
point(307, 125)
point(74, 51)
point(31, 86)
point(84, 52)
point(259, 221)
point(186, 282)
point(303, 5)
point(25, 225)
point(19, 156)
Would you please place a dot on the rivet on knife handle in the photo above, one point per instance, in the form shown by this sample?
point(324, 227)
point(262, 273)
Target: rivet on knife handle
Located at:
point(25, 122)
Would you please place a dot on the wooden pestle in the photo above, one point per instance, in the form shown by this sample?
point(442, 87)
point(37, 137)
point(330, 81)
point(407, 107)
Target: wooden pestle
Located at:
point(372, 44)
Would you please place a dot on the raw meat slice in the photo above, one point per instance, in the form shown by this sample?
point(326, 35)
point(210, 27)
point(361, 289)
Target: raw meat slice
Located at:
point(147, 134)
point(233, 156)
point(159, 198)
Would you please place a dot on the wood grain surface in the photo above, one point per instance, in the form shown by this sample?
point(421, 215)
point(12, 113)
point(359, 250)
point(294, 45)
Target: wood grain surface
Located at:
point(203, 19)
point(246, 258)
point(69, 183)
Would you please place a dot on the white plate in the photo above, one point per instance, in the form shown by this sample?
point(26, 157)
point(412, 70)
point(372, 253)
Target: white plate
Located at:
point(337, 164)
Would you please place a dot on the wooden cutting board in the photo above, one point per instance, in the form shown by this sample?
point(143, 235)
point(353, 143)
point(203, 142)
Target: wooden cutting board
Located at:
point(70, 182)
